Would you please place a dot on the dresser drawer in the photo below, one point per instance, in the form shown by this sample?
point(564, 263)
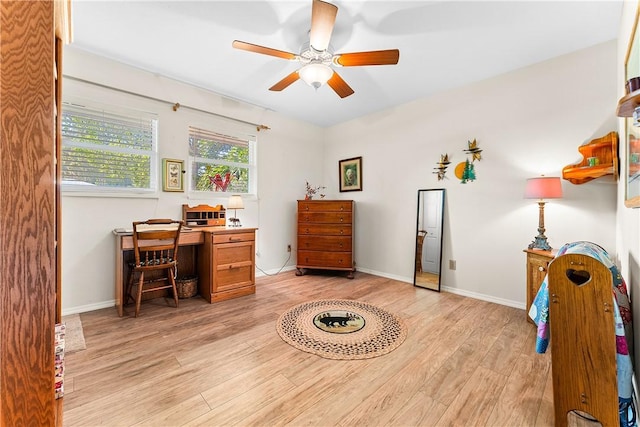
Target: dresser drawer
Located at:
point(324, 229)
point(325, 243)
point(232, 237)
point(325, 217)
point(325, 259)
point(324, 206)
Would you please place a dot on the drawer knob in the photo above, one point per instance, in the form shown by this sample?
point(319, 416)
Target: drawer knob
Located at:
point(541, 268)
point(341, 231)
point(341, 219)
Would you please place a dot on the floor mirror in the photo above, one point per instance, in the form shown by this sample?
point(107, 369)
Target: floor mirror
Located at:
point(430, 221)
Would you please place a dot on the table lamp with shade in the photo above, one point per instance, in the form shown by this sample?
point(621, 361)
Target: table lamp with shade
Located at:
point(235, 203)
point(541, 188)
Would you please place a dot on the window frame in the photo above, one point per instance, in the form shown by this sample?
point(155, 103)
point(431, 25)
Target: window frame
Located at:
point(69, 188)
point(233, 133)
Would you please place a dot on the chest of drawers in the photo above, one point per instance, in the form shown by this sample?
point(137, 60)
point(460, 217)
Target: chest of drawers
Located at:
point(325, 236)
point(537, 265)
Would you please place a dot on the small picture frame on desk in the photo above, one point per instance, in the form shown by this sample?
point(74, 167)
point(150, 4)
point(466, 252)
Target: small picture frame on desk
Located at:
point(172, 175)
point(350, 171)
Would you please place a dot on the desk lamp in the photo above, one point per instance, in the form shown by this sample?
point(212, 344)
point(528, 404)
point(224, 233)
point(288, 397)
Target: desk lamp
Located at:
point(235, 203)
point(542, 188)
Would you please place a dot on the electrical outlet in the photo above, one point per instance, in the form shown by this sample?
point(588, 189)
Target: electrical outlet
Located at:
point(452, 264)
point(289, 248)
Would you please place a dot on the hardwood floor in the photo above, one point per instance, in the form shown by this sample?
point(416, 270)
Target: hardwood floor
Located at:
point(464, 362)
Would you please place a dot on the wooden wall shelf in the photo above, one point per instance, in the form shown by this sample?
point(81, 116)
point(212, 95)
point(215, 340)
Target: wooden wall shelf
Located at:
point(605, 149)
point(628, 104)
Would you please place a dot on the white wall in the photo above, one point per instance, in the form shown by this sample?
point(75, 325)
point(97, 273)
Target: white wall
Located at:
point(628, 220)
point(527, 122)
point(287, 156)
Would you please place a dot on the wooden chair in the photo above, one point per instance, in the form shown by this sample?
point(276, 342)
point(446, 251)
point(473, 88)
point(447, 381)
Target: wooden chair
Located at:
point(155, 246)
point(419, 243)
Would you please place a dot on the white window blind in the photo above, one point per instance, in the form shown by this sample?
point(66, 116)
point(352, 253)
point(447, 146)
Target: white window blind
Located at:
point(108, 150)
point(221, 163)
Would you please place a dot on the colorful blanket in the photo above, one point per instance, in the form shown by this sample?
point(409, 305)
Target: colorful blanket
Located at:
point(539, 312)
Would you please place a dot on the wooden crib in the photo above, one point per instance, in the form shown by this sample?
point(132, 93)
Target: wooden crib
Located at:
point(583, 343)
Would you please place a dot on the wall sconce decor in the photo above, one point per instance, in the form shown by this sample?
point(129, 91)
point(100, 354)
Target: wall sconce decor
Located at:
point(441, 170)
point(465, 171)
point(542, 188)
point(474, 151)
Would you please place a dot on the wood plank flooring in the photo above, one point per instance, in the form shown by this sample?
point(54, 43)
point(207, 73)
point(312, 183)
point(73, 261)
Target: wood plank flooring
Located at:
point(464, 362)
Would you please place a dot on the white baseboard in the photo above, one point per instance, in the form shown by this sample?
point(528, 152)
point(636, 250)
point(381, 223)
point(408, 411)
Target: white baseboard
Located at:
point(483, 297)
point(260, 273)
point(88, 307)
point(470, 294)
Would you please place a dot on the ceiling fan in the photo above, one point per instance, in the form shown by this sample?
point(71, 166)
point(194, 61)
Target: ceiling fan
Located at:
point(317, 56)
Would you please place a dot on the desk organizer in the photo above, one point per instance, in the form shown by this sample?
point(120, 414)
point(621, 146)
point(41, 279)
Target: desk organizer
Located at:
point(204, 216)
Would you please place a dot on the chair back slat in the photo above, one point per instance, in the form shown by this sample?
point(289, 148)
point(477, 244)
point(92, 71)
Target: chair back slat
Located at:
point(155, 242)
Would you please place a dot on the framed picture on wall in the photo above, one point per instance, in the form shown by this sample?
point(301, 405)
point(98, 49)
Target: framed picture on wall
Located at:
point(172, 175)
point(350, 171)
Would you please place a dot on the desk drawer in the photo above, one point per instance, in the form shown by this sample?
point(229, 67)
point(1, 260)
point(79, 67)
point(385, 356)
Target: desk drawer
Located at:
point(232, 237)
point(234, 277)
point(232, 253)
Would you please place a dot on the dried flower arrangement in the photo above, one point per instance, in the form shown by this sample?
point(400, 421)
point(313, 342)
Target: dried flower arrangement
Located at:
point(312, 191)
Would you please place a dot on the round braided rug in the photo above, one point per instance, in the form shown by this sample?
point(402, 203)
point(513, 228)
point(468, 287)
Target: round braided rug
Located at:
point(341, 329)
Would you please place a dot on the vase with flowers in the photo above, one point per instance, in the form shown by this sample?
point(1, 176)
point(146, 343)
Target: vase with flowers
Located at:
point(312, 191)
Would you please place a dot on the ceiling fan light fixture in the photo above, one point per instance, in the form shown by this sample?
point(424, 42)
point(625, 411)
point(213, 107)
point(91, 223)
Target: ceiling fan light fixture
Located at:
point(315, 74)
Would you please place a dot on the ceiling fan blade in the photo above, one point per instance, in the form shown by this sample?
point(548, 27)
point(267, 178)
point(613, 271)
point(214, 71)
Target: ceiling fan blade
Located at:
point(263, 50)
point(323, 18)
point(374, 57)
point(284, 83)
point(339, 86)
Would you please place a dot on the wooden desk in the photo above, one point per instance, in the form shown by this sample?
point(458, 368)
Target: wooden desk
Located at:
point(194, 238)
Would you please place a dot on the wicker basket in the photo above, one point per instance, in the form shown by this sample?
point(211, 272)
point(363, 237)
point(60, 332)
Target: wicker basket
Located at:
point(187, 286)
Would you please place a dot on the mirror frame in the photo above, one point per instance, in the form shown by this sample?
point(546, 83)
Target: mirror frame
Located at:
point(631, 69)
point(417, 230)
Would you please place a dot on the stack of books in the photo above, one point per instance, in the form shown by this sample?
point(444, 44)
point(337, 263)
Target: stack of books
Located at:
point(59, 359)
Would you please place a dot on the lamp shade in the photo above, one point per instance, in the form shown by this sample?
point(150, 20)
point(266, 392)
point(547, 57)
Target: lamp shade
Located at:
point(235, 202)
point(543, 187)
point(315, 74)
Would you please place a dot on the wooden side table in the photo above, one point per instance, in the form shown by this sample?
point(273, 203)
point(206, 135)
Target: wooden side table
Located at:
point(537, 266)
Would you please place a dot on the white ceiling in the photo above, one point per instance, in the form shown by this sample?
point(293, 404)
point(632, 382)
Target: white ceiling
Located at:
point(443, 44)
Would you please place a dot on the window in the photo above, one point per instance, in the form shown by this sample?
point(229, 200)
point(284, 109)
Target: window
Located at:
point(107, 150)
point(221, 163)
